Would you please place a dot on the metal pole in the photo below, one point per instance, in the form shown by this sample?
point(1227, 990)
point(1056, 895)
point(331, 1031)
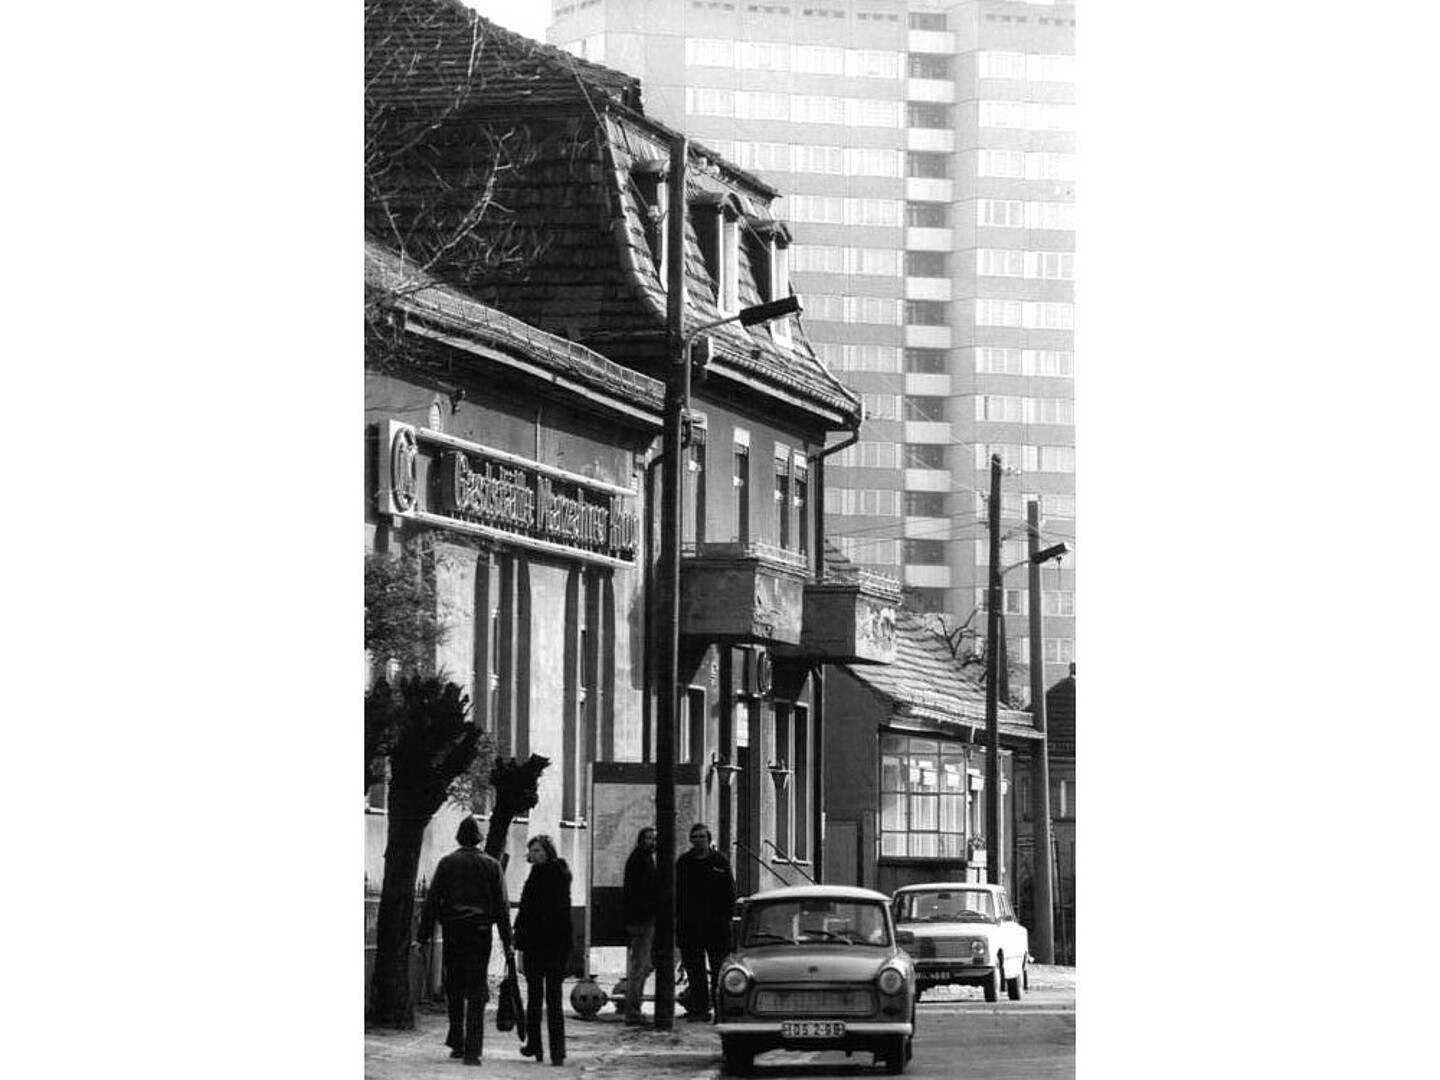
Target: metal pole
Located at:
point(992, 687)
point(1042, 938)
point(677, 400)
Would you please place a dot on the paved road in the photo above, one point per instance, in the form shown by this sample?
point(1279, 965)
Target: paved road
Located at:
point(959, 1040)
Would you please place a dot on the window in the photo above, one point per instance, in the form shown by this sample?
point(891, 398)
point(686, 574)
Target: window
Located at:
point(800, 472)
point(762, 105)
point(1057, 459)
point(690, 741)
point(928, 66)
point(1000, 407)
point(927, 114)
point(824, 307)
point(922, 796)
point(1003, 114)
point(1044, 315)
point(740, 481)
point(881, 406)
point(883, 358)
point(709, 52)
point(926, 361)
point(990, 360)
point(782, 495)
point(815, 109)
point(1011, 551)
point(927, 264)
point(869, 550)
point(1049, 215)
point(1050, 265)
point(930, 166)
point(718, 232)
point(505, 704)
point(1057, 506)
point(927, 20)
point(927, 313)
point(1049, 411)
point(872, 211)
point(871, 162)
point(1002, 65)
point(999, 313)
point(1065, 799)
point(924, 456)
point(774, 156)
point(821, 209)
point(993, 262)
point(653, 195)
point(1012, 455)
point(1047, 166)
point(870, 455)
point(1058, 603)
point(1009, 163)
point(1050, 362)
point(868, 501)
point(884, 262)
point(1005, 213)
point(929, 504)
point(1040, 67)
point(926, 552)
point(705, 101)
point(874, 112)
point(589, 682)
point(693, 528)
point(872, 64)
point(764, 56)
point(818, 159)
point(925, 215)
point(872, 309)
point(1012, 601)
point(925, 409)
point(819, 60)
point(1059, 650)
point(791, 748)
point(819, 259)
point(1046, 116)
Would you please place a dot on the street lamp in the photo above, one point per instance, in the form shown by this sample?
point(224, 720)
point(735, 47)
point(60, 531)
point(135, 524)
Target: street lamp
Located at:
point(672, 495)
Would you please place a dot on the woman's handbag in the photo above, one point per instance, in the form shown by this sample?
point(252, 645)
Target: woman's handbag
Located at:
point(510, 1011)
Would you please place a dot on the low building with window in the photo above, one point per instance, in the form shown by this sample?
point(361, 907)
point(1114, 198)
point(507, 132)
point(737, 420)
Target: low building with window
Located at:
point(905, 771)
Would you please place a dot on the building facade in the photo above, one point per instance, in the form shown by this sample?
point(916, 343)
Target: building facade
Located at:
point(926, 152)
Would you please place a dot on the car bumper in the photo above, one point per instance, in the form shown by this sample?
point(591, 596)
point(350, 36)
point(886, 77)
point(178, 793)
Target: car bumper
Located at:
point(945, 971)
point(771, 1028)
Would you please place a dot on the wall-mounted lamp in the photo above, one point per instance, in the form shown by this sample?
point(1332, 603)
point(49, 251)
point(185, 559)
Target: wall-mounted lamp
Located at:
point(722, 767)
point(780, 773)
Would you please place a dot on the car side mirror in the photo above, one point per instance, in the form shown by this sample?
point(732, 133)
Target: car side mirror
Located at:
point(904, 937)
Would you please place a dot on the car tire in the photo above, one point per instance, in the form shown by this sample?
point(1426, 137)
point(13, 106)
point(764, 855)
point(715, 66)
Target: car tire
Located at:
point(1013, 987)
point(991, 985)
point(895, 1056)
point(737, 1056)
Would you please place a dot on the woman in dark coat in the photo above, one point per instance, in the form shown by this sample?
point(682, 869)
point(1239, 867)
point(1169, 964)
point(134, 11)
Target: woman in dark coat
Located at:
point(543, 937)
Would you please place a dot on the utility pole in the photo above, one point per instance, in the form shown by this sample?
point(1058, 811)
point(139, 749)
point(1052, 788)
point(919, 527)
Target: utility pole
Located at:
point(1043, 937)
point(992, 685)
point(677, 398)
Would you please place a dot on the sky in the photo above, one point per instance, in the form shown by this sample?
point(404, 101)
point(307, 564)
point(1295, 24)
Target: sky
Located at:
point(528, 17)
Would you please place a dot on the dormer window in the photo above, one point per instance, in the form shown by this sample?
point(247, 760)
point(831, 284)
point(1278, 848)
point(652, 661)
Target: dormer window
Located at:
point(768, 243)
point(717, 227)
point(653, 195)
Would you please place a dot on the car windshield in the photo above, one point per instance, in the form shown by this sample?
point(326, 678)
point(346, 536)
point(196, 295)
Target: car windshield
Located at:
point(815, 921)
point(945, 905)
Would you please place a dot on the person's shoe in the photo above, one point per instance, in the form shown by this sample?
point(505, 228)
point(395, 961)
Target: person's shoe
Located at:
point(472, 1061)
point(557, 1061)
point(457, 1053)
point(698, 1015)
point(635, 1021)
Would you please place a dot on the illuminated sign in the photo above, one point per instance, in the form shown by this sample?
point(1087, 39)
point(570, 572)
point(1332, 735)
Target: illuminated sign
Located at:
point(480, 490)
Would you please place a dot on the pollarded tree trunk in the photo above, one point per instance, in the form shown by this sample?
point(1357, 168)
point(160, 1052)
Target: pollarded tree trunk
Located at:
point(391, 1004)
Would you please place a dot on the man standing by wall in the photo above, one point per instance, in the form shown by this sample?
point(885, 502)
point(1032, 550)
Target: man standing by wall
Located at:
point(704, 900)
point(638, 904)
point(468, 897)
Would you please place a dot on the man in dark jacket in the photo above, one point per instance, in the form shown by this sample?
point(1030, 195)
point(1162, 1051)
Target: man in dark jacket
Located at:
point(468, 898)
point(638, 905)
point(704, 899)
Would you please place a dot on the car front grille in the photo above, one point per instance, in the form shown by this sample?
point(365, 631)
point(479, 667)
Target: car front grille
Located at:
point(954, 948)
point(813, 1002)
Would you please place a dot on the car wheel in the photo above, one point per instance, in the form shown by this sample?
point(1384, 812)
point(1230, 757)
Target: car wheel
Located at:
point(991, 985)
point(1013, 986)
point(738, 1056)
point(895, 1056)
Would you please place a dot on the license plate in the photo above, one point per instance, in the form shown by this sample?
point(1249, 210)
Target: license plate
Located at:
point(812, 1029)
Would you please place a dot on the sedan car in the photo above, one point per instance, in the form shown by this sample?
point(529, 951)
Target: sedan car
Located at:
point(816, 967)
point(963, 934)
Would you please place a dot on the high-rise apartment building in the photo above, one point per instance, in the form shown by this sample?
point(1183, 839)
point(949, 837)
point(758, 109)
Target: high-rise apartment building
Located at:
point(926, 149)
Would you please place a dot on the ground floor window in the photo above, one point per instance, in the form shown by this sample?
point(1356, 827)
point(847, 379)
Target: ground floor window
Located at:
point(922, 797)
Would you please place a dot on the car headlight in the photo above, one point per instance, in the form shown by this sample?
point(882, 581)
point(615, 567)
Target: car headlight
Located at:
point(735, 980)
point(978, 947)
point(892, 980)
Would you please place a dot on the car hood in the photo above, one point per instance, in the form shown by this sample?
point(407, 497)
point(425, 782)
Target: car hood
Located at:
point(826, 962)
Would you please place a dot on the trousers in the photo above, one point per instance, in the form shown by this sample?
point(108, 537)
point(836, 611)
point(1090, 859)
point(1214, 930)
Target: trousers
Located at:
point(467, 967)
point(694, 952)
point(638, 965)
point(544, 976)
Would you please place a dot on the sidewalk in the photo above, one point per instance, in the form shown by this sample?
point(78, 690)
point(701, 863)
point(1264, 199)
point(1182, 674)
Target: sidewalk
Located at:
point(602, 1045)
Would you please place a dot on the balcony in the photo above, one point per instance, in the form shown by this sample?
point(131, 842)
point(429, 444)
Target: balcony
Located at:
point(743, 592)
point(927, 337)
point(931, 140)
point(850, 616)
point(927, 577)
point(922, 384)
point(931, 41)
point(934, 432)
point(927, 528)
point(918, 238)
point(927, 288)
point(928, 480)
point(929, 189)
point(942, 90)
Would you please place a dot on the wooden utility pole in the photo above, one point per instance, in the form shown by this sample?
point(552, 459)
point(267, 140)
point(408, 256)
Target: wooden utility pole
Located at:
point(992, 685)
point(677, 401)
point(1042, 937)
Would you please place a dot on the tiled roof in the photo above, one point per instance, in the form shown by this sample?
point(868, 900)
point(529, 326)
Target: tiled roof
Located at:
point(572, 201)
point(924, 680)
point(442, 307)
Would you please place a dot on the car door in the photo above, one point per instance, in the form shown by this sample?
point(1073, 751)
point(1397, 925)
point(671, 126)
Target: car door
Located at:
point(1013, 937)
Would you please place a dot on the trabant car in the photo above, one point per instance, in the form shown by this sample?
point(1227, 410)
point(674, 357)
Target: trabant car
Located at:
point(816, 967)
point(963, 934)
